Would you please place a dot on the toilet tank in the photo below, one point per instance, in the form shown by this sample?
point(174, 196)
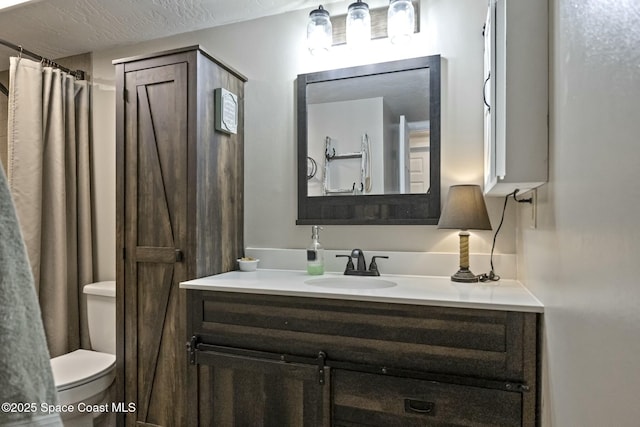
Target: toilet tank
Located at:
point(101, 315)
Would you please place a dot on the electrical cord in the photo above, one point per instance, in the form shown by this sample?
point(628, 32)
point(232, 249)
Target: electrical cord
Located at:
point(492, 276)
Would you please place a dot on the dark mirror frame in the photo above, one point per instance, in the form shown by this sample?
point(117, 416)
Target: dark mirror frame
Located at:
point(379, 209)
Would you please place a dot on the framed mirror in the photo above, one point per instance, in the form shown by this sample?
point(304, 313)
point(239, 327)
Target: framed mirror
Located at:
point(369, 144)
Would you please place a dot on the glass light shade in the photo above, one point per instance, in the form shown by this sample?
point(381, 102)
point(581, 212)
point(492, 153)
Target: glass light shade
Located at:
point(319, 31)
point(358, 25)
point(400, 21)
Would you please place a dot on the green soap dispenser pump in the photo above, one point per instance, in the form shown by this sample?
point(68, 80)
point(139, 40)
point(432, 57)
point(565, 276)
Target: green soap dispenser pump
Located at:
point(315, 253)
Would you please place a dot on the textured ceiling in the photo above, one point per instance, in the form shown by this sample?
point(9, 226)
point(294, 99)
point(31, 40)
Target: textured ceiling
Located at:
point(59, 28)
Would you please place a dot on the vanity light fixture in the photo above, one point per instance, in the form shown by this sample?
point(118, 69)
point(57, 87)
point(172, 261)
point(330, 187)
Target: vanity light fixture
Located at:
point(464, 210)
point(400, 21)
point(319, 31)
point(358, 25)
point(397, 21)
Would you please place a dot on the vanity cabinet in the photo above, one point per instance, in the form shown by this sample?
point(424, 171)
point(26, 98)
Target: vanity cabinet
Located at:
point(349, 363)
point(179, 216)
point(516, 147)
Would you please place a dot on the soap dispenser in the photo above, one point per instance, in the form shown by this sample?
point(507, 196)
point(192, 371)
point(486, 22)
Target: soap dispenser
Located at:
point(315, 253)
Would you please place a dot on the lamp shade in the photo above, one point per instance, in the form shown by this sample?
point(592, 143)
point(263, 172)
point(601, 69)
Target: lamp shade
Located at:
point(465, 209)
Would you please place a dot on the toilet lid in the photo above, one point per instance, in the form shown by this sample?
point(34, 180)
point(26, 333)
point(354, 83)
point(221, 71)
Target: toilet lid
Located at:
point(80, 367)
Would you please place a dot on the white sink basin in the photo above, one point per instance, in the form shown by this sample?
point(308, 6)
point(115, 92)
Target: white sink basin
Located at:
point(351, 282)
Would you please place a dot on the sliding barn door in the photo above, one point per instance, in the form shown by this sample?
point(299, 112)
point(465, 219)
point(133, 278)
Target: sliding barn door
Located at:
point(155, 234)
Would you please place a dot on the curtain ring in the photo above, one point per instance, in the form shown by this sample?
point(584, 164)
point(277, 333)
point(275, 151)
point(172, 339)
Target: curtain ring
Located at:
point(20, 53)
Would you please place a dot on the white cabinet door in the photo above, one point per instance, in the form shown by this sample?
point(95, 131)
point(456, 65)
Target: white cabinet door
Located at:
point(516, 96)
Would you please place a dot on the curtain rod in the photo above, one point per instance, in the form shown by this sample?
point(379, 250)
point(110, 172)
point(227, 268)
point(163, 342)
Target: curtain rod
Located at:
point(78, 74)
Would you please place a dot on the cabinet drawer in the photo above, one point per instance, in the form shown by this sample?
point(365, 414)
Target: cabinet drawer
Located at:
point(360, 399)
point(455, 341)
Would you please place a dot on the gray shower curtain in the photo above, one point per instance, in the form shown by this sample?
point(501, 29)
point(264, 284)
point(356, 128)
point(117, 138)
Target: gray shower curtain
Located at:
point(49, 177)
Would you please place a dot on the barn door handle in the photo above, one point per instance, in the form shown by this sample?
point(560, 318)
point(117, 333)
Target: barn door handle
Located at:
point(179, 255)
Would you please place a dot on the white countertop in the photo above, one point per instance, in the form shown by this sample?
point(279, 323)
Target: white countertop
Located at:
point(508, 295)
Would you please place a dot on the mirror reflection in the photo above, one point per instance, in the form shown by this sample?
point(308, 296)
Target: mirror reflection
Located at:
point(369, 134)
point(369, 144)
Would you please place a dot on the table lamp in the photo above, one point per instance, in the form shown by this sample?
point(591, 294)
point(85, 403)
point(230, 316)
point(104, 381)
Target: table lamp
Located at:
point(464, 210)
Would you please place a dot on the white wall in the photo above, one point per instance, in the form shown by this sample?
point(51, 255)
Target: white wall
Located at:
point(582, 260)
point(271, 52)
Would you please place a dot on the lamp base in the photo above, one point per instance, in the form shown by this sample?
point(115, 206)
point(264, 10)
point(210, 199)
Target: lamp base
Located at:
point(464, 275)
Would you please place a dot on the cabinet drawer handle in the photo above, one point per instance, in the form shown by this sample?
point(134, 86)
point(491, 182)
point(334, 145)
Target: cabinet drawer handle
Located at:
point(418, 406)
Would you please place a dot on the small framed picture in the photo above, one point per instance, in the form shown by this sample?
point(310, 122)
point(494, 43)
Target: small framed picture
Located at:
point(226, 111)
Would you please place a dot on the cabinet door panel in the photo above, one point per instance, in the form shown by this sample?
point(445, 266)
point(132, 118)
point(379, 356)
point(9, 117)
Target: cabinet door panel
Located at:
point(155, 227)
point(360, 399)
point(245, 391)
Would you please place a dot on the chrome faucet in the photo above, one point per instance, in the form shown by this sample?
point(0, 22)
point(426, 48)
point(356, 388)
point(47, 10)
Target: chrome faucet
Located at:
point(361, 269)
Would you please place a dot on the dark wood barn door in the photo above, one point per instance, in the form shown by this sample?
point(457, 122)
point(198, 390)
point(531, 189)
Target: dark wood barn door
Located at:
point(156, 236)
point(249, 391)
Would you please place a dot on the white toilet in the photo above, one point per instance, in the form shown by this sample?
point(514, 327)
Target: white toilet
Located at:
point(83, 377)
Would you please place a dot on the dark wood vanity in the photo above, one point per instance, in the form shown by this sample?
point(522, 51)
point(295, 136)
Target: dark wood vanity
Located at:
point(303, 361)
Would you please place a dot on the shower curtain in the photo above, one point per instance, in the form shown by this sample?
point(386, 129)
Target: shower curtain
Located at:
point(49, 178)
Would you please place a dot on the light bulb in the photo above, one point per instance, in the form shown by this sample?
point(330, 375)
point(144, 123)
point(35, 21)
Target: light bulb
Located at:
point(400, 21)
point(319, 31)
point(358, 25)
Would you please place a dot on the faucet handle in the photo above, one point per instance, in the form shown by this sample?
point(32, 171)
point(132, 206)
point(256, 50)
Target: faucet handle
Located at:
point(373, 267)
point(350, 266)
